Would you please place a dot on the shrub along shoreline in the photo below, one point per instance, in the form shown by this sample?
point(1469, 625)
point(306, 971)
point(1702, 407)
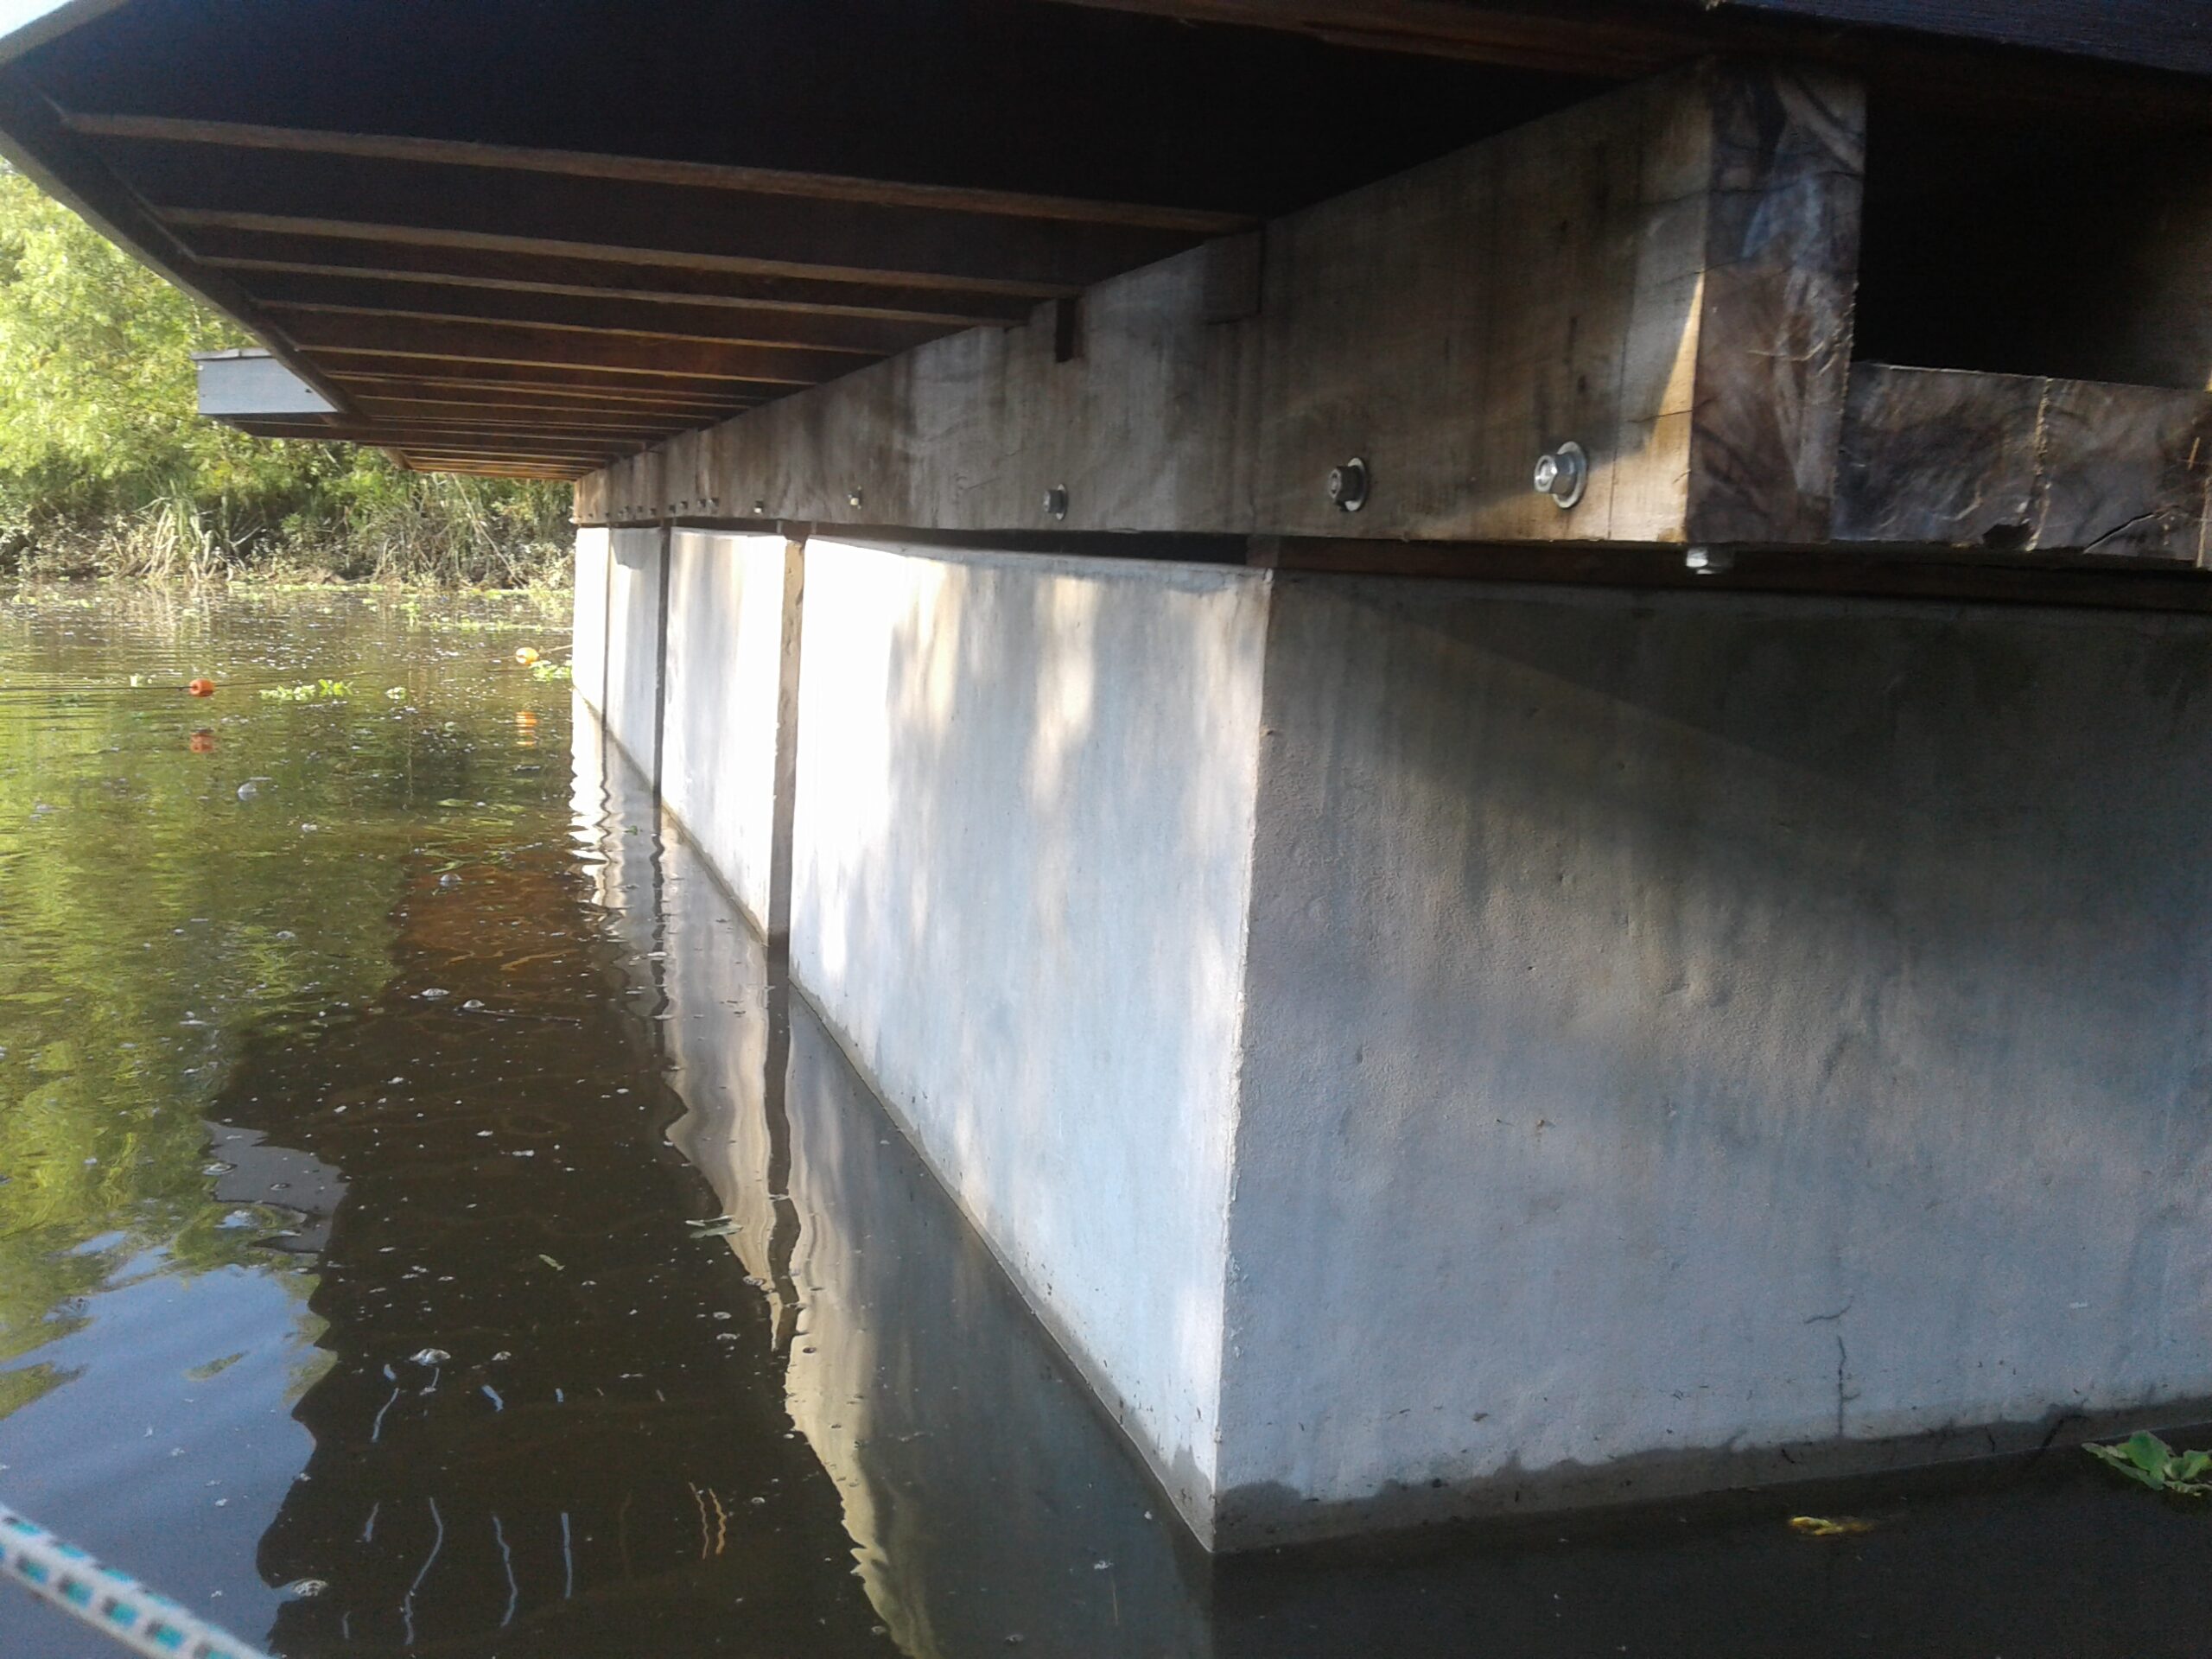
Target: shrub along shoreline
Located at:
point(107, 470)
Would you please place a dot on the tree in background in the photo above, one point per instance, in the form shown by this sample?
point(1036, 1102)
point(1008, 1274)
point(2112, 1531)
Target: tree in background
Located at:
point(105, 466)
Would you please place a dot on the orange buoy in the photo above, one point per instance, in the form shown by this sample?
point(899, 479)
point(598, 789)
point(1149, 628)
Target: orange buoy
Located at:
point(203, 741)
point(201, 688)
point(525, 655)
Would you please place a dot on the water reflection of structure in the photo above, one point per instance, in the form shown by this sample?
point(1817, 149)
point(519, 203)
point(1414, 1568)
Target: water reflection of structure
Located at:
point(559, 1421)
point(554, 1422)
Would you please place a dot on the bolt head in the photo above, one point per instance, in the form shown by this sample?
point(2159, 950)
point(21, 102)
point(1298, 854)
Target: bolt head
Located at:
point(854, 499)
point(1348, 486)
point(760, 508)
point(1562, 473)
point(1056, 501)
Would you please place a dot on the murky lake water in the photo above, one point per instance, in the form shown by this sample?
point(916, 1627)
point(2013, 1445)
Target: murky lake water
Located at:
point(429, 1225)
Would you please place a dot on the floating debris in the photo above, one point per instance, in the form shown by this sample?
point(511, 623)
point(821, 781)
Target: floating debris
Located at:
point(1827, 1526)
point(431, 1357)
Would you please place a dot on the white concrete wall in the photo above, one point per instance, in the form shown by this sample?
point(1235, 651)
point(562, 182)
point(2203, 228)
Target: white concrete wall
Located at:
point(1687, 1026)
point(588, 620)
point(1023, 832)
point(633, 596)
point(718, 753)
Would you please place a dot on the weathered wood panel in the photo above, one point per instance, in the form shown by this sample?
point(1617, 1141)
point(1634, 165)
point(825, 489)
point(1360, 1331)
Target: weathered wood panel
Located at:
point(1662, 276)
point(2017, 463)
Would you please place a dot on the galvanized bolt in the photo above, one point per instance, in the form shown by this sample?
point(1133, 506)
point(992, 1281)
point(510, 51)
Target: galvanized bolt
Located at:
point(854, 499)
point(759, 509)
point(1056, 501)
point(1563, 474)
point(1709, 561)
point(1348, 486)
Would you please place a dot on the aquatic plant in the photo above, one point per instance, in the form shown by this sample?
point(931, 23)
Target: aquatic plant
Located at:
point(2146, 1458)
point(553, 672)
point(314, 691)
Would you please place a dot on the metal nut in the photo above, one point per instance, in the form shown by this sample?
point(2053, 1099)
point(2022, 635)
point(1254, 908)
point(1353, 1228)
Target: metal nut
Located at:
point(1348, 486)
point(759, 509)
point(1056, 501)
point(854, 499)
point(1563, 474)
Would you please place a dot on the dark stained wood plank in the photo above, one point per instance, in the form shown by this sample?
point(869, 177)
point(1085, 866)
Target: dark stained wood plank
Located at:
point(284, 292)
point(646, 169)
point(1569, 35)
point(412, 434)
point(344, 365)
point(434, 411)
point(732, 229)
point(2017, 463)
point(224, 248)
point(688, 403)
point(531, 344)
point(589, 246)
point(2174, 34)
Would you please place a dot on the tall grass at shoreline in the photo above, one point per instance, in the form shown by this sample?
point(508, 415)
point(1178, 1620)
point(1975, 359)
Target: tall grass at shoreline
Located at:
point(428, 531)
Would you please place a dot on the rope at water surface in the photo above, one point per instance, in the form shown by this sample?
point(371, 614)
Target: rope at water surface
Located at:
point(107, 1600)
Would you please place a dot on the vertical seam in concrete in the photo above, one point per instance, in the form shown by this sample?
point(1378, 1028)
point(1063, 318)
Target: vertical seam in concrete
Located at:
point(606, 624)
point(1240, 1054)
point(782, 848)
point(660, 650)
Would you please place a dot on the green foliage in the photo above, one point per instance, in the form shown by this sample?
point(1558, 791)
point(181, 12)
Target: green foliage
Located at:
point(105, 468)
point(552, 671)
point(2146, 1458)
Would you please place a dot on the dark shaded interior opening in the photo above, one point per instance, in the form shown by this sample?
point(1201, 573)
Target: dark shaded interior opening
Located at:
point(2038, 243)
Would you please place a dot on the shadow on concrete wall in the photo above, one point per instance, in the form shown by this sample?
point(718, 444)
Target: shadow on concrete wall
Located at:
point(1806, 996)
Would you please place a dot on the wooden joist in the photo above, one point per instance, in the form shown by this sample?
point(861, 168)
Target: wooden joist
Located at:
point(690, 406)
point(540, 345)
point(2018, 464)
point(588, 274)
point(284, 292)
point(1663, 277)
point(461, 205)
point(646, 169)
point(659, 388)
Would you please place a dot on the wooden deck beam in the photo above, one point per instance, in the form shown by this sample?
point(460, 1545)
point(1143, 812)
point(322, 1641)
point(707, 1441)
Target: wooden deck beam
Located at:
point(2021, 464)
point(1662, 276)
